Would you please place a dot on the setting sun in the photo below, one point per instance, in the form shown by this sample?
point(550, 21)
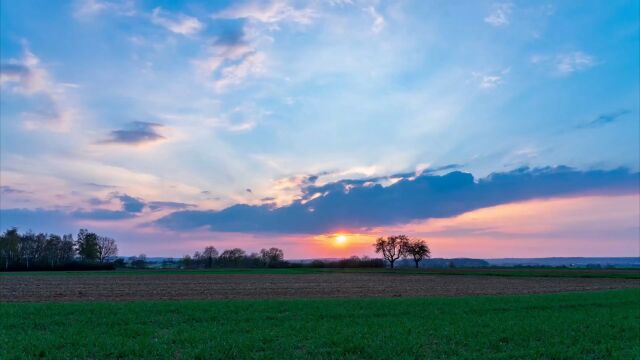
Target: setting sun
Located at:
point(341, 239)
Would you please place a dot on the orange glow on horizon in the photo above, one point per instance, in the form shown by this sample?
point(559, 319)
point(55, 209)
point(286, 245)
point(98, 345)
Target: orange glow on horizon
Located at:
point(341, 239)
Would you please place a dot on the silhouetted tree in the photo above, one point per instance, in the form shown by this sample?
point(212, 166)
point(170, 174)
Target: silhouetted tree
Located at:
point(209, 255)
point(232, 257)
point(87, 245)
point(10, 247)
point(106, 248)
point(52, 250)
point(418, 250)
point(186, 261)
point(31, 251)
point(272, 257)
point(392, 248)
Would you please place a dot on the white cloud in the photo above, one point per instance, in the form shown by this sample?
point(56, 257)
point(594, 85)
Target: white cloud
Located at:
point(27, 77)
point(179, 23)
point(568, 63)
point(378, 20)
point(231, 75)
point(490, 80)
point(89, 8)
point(229, 64)
point(271, 13)
point(499, 15)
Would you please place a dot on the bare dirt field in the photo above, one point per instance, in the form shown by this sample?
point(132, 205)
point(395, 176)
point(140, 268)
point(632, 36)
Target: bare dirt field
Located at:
point(329, 285)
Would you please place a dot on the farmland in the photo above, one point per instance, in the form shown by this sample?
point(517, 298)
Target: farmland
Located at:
point(284, 284)
point(596, 325)
point(319, 313)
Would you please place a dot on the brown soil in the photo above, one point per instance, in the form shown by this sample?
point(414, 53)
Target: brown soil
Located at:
point(169, 287)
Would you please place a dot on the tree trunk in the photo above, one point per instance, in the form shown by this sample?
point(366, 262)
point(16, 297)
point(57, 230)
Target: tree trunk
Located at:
point(417, 262)
point(391, 262)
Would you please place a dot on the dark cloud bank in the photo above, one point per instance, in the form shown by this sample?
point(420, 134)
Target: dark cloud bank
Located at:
point(353, 204)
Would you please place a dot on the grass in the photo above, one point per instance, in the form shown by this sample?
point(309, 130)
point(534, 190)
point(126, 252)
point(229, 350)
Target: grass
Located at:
point(590, 325)
point(518, 272)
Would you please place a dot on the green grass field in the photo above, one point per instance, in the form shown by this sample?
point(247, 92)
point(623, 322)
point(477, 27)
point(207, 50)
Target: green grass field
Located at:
point(519, 272)
point(596, 325)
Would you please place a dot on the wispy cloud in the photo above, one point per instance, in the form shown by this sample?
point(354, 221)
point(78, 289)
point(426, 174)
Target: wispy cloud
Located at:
point(6, 189)
point(270, 12)
point(160, 205)
point(177, 23)
point(490, 80)
point(575, 61)
point(231, 58)
point(566, 63)
point(137, 132)
point(28, 77)
point(378, 20)
point(88, 8)
point(605, 118)
point(499, 15)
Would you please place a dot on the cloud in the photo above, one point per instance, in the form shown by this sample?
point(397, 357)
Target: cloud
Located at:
point(575, 61)
point(490, 80)
point(251, 64)
point(359, 204)
point(159, 205)
point(53, 220)
point(27, 77)
point(103, 214)
point(232, 57)
point(566, 63)
point(14, 73)
point(6, 189)
point(378, 20)
point(130, 204)
point(179, 23)
point(235, 54)
point(99, 186)
point(267, 12)
point(138, 132)
point(499, 15)
point(606, 118)
point(89, 8)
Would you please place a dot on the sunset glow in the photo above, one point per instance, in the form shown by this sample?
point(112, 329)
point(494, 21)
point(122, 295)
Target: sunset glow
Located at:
point(318, 126)
point(341, 239)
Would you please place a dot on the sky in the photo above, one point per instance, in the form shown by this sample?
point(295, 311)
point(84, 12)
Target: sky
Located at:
point(488, 128)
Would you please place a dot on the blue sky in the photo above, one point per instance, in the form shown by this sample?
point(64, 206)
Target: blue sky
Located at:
point(127, 115)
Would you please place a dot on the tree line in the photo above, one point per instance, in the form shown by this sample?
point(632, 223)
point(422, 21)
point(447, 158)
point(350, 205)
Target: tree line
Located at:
point(41, 251)
point(236, 257)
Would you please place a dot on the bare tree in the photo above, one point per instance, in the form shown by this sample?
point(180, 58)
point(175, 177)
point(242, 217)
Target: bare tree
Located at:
point(208, 255)
point(271, 257)
point(392, 248)
point(232, 257)
point(106, 248)
point(418, 250)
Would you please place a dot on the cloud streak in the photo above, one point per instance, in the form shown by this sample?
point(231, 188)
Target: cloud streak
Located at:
point(606, 118)
point(500, 15)
point(179, 23)
point(269, 12)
